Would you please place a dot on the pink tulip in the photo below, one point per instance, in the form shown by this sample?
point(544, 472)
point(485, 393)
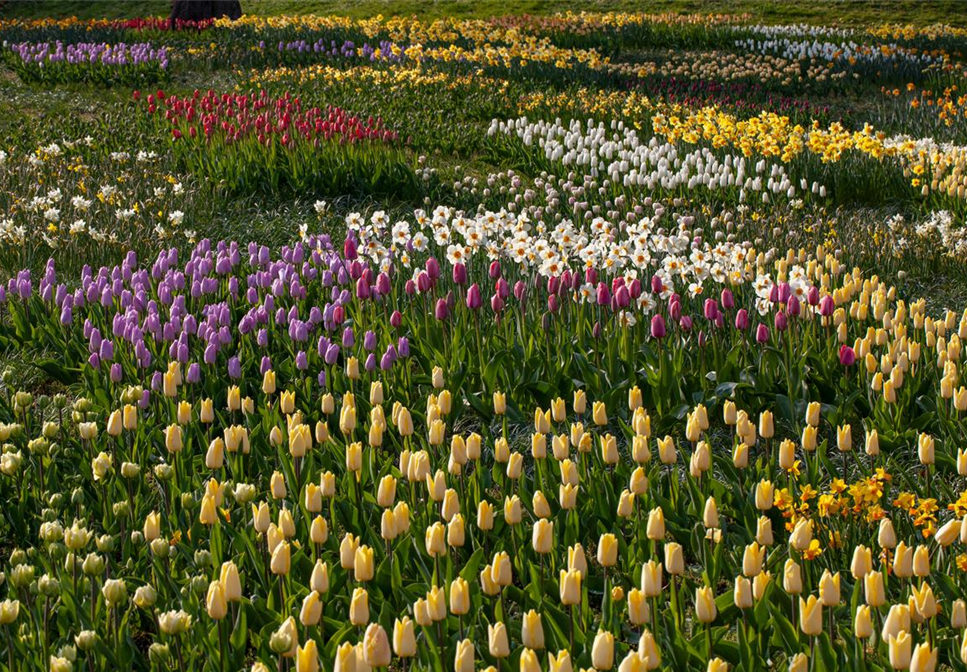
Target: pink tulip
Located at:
point(474, 300)
point(762, 333)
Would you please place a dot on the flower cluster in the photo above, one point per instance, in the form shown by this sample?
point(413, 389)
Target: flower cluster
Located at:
point(90, 61)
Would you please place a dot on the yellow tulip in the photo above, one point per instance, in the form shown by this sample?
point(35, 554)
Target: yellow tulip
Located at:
point(742, 592)
point(607, 551)
point(359, 607)
point(638, 610)
point(497, 639)
point(376, 649)
point(570, 587)
point(705, 609)
point(307, 657)
point(599, 414)
point(764, 495)
point(459, 596)
point(529, 662)
point(900, 653)
point(559, 663)
point(215, 602)
point(463, 661)
point(921, 561)
point(651, 578)
point(760, 583)
point(812, 414)
point(674, 559)
point(602, 651)
point(958, 614)
point(897, 620)
point(502, 572)
point(311, 611)
point(801, 535)
point(656, 524)
point(752, 559)
point(456, 532)
point(926, 603)
point(345, 658)
point(829, 593)
point(710, 516)
point(924, 658)
point(500, 403)
point(231, 583)
point(667, 453)
point(404, 638)
point(863, 624)
point(903, 561)
point(543, 536)
point(532, 631)
point(873, 589)
point(792, 577)
point(281, 559)
point(925, 449)
point(268, 382)
point(886, 537)
point(576, 560)
point(363, 564)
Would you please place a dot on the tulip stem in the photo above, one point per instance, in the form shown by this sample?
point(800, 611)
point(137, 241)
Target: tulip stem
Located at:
point(224, 646)
point(708, 639)
point(6, 629)
point(573, 626)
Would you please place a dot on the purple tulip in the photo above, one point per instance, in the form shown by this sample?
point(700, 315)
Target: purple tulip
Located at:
point(742, 319)
point(441, 311)
point(847, 356)
point(658, 329)
point(762, 333)
point(234, 368)
point(603, 294)
point(812, 296)
point(432, 268)
point(474, 299)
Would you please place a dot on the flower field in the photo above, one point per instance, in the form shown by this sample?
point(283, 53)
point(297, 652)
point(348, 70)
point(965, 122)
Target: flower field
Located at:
point(573, 341)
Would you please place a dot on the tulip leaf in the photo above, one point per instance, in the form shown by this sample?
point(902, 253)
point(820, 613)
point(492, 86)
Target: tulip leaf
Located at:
point(826, 652)
point(785, 630)
point(469, 571)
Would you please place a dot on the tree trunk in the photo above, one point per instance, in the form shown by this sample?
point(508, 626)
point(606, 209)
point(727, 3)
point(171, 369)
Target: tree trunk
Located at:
point(199, 10)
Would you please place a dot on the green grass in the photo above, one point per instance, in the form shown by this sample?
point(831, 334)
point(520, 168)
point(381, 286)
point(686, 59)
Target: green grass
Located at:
point(846, 12)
